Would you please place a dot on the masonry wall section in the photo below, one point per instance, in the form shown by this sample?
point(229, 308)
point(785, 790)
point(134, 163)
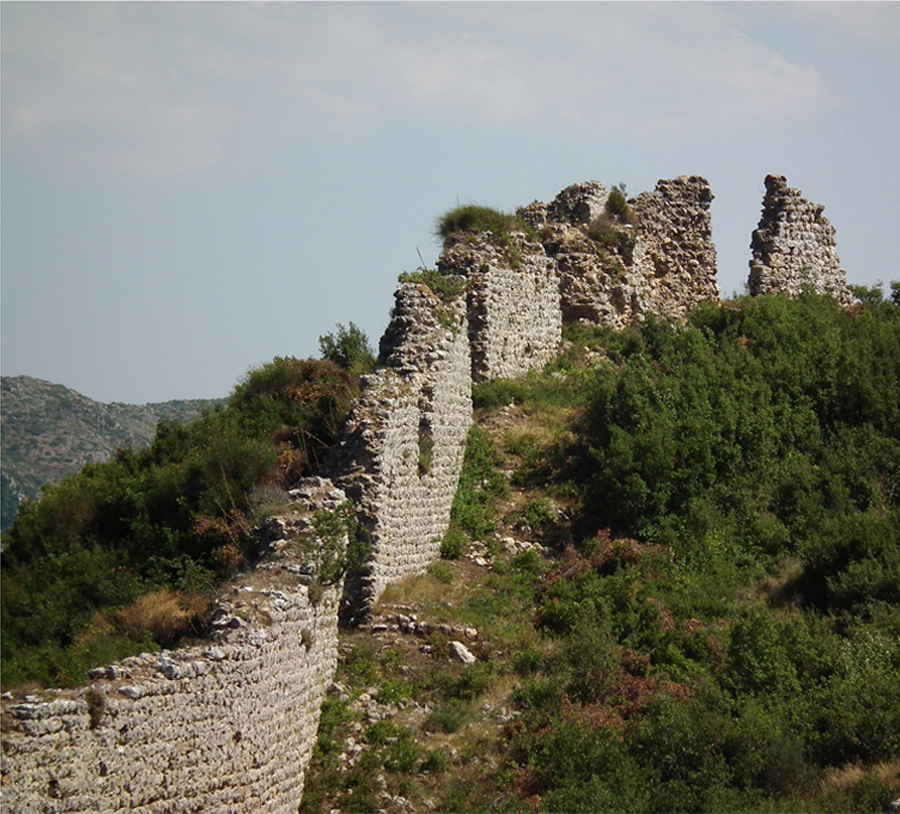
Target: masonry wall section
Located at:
point(614, 269)
point(674, 253)
point(401, 451)
point(794, 247)
point(225, 727)
point(514, 316)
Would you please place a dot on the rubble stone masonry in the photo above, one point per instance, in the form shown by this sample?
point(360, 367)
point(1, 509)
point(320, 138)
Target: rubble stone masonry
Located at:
point(613, 270)
point(794, 247)
point(229, 725)
point(401, 451)
point(512, 299)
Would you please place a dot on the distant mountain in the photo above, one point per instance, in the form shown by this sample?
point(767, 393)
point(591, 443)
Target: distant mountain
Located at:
point(50, 432)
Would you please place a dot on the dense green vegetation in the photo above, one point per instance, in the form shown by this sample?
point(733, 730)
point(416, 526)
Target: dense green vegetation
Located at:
point(717, 627)
point(168, 521)
point(735, 636)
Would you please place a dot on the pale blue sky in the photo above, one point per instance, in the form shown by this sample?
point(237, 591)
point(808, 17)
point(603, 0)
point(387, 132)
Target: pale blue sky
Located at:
point(190, 189)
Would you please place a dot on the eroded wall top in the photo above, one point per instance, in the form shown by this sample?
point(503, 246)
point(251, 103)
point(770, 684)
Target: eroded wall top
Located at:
point(794, 247)
point(618, 261)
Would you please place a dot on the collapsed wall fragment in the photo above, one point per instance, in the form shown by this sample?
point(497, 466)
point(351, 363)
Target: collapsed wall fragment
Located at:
point(794, 247)
point(618, 263)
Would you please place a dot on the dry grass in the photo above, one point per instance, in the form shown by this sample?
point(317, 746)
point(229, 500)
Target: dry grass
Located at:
point(428, 591)
point(778, 591)
point(166, 615)
point(846, 777)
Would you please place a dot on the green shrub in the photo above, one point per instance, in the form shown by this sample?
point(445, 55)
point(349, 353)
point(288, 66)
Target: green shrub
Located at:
point(592, 656)
point(451, 716)
point(454, 542)
point(359, 662)
point(436, 762)
point(617, 204)
point(445, 286)
point(381, 732)
point(527, 661)
point(480, 484)
point(539, 512)
point(580, 768)
point(471, 219)
point(442, 571)
point(466, 684)
point(403, 755)
point(349, 350)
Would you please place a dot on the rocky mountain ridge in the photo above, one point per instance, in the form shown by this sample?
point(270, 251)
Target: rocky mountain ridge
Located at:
point(50, 432)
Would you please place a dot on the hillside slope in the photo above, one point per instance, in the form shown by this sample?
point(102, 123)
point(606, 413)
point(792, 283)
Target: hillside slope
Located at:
point(50, 432)
point(670, 585)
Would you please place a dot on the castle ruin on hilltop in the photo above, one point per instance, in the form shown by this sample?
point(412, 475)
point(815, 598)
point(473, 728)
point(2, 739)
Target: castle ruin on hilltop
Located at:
point(229, 725)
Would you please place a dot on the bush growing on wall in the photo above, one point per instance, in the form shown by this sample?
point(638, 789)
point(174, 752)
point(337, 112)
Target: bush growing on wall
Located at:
point(472, 219)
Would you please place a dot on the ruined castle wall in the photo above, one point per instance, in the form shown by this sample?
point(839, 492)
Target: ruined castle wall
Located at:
point(229, 726)
point(674, 253)
point(224, 727)
point(400, 454)
point(794, 247)
point(515, 322)
point(613, 269)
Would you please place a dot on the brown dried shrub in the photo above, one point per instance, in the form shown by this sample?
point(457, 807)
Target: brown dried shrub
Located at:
point(229, 560)
point(166, 615)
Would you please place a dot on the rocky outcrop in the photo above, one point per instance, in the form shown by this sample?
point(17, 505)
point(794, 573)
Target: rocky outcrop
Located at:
point(227, 726)
point(794, 247)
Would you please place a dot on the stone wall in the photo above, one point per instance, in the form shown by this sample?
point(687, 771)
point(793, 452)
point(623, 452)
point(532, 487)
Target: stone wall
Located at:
point(512, 297)
point(658, 257)
point(674, 251)
point(794, 247)
point(226, 726)
point(229, 726)
point(400, 454)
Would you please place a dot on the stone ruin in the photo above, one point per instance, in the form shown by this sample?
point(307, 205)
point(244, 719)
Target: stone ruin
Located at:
point(229, 726)
point(401, 450)
point(225, 726)
point(657, 257)
point(794, 247)
point(512, 303)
